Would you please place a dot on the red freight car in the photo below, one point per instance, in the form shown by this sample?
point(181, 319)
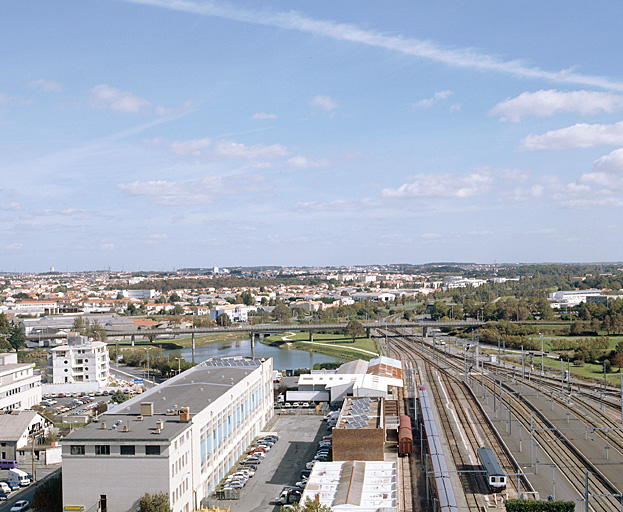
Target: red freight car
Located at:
point(405, 436)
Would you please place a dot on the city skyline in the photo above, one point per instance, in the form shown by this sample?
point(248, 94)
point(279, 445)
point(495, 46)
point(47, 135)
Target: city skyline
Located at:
point(155, 134)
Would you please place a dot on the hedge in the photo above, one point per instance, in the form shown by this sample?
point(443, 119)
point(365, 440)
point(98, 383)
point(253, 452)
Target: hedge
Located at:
point(539, 506)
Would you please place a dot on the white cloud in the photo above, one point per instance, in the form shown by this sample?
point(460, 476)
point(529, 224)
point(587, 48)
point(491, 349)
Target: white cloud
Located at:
point(174, 111)
point(262, 115)
point(461, 58)
point(189, 147)
point(533, 192)
point(46, 85)
point(5, 99)
point(172, 193)
point(547, 103)
point(576, 136)
point(324, 102)
point(15, 247)
point(300, 162)
point(11, 207)
point(337, 206)
point(105, 97)
point(438, 96)
point(610, 163)
point(443, 186)
point(234, 149)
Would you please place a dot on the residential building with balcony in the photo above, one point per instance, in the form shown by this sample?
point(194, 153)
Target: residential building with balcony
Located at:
point(81, 365)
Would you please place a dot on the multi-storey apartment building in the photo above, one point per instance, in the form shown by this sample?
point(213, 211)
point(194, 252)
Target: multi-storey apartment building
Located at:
point(180, 438)
point(20, 388)
point(81, 363)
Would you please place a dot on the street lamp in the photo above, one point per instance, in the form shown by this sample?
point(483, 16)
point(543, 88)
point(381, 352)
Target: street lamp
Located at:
point(179, 362)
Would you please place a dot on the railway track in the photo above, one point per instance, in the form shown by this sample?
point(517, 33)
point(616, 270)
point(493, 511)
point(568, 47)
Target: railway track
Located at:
point(552, 441)
point(463, 423)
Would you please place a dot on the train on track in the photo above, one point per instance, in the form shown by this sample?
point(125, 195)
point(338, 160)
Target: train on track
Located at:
point(496, 478)
point(437, 468)
point(405, 436)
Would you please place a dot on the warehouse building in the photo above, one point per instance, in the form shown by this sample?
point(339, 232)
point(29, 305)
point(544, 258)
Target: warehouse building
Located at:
point(353, 486)
point(360, 430)
point(180, 438)
point(374, 378)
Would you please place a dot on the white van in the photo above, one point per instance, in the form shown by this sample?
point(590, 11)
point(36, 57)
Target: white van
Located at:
point(19, 477)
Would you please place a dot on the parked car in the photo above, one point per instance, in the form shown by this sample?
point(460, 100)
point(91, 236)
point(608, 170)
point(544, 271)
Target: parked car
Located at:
point(310, 465)
point(20, 505)
point(3, 496)
point(5, 487)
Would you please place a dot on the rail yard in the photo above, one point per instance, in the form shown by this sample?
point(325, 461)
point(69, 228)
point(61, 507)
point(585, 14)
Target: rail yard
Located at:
point(554, 438)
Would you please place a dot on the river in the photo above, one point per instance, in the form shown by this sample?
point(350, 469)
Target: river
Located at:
point(283, 359)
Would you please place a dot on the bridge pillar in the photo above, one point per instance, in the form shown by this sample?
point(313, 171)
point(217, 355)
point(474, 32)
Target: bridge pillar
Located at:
point(252, 336)
point(193, 344)
point(424, 332)
point(133, 340)
point(368, 332)
point(311, 336)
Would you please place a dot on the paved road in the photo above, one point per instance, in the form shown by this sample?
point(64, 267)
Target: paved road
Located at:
point(26, 493)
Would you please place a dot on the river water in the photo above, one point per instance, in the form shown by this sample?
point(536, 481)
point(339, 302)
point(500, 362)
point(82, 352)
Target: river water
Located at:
point(283, 359)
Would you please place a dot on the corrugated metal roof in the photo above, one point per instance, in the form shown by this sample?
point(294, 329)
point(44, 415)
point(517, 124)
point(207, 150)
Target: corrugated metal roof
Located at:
point(353, 485)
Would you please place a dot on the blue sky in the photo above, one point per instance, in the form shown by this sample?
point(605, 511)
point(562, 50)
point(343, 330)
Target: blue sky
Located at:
point(160, 134)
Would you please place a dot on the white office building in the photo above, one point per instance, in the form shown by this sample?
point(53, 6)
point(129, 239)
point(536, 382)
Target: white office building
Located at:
point(81, 365)
point(20, 388)
point(180, 438)
point(571, 298)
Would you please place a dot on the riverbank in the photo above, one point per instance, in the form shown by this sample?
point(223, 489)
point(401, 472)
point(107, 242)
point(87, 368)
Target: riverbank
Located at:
point(335, 345)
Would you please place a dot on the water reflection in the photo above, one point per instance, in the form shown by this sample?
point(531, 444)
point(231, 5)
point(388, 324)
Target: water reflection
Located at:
point(282, 358)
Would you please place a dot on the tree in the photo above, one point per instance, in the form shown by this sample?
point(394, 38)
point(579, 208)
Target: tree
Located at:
point(617, 360)
point(248, 299)
point(308, 506)
point(5, 325)
point(158, 502)
point(223, 320)
point(16, 337)
point(354, 329)
point(282, 313)
point(131, 309)
point(119, 397)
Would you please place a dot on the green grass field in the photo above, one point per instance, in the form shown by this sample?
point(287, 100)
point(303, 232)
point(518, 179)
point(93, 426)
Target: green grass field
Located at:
point(335, 345)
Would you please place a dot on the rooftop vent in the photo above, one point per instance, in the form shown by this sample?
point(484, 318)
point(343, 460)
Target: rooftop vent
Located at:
point(185, 414)
point(159, 426)
point(103, 427)
point(147, 408)
point(126, 428)
point(139, 417)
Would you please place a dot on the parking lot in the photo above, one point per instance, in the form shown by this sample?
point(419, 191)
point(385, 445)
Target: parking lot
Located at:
point(299, 435)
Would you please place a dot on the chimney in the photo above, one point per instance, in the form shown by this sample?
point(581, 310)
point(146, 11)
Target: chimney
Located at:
point(103, 425)
point(159, 426)
point(185, 414)
point(147, 409)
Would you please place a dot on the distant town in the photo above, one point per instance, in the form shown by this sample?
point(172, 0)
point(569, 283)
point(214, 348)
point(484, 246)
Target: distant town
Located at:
point(104, 370)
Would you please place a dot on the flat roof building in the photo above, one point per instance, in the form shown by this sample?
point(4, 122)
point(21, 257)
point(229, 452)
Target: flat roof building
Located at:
point(20, 388)
point(180, 437)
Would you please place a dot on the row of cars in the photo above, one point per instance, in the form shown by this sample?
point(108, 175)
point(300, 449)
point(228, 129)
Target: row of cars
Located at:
point(246, 467)
point(292, 494)
point(77, 406)
point(16, 479)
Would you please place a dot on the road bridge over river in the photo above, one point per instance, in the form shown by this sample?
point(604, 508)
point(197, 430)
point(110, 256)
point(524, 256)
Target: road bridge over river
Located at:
point(265, 329)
